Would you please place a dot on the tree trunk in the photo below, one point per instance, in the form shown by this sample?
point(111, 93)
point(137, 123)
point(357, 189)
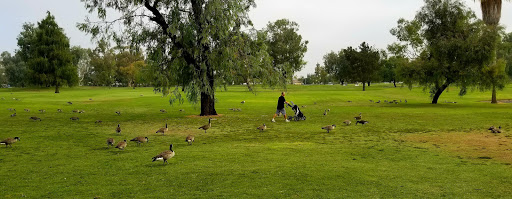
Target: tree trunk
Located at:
point(494, 101)
point(368, 83)
point(439, 92)
point(57, 88)
point(208, 99)
point(364, 86)
point(394, 83)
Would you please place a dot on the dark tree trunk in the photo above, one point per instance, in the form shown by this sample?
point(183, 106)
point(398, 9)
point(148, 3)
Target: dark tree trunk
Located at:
point(57, 88)
point(368, 83)
point(394, 83)
point(438, 93)
point(494, 100)
point(364, 86)
point(208, 99)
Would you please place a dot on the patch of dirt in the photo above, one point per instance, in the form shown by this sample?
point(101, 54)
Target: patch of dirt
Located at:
point(503, 101)
point(472, 145)
point(212, 116)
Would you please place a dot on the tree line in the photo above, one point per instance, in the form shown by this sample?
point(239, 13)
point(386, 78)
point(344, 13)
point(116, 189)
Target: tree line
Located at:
point(445, 44)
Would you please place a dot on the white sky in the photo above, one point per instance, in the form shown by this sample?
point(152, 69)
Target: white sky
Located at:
point(328, 25)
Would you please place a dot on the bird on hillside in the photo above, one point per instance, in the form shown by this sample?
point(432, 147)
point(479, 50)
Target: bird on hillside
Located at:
point(494, 129)
point(75, 111)
point(121, 145)
point(163, 111)
point(207, 126)
point(162, 130)
point(59, 110)
point(42, 110)
point(82, 111)
point(165, 155)
point(35, 118)
point(405, 100)
point(140, 140)
point(90, 99)
point(110, 142)
point(325, 112)
point(358, 117)
point(329, 128)
point(118, 129)
point(243, 102)
point(189, 139)
point(70, 103)
point(10, 141)
point(377, 102)
point(74, 118)
point(13, 115)
point(27, 110)
point(181, 110)
point(118, 112)
point(347, 122)
point(362, 122)
point(11, 109)
point(262, 128)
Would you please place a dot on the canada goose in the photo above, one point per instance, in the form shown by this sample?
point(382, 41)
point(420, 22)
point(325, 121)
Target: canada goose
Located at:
point(347, 122)
point(385, 100)
point(74, 118)
point(349, 101)
point(181, 110)
point(207, 126)
point(238, 109)
point(362, 122)
point(162, 130)
point(42, 110)
point(13, 115)
point(81, 111)
point(75, 111)
point(329, 128)
point(189, 139)
point(110, 142)
point(98, 122)
point(59, 110)
point(10, 141)
point(328, 110)
point(359, 117)
point(90, 99)
point(243, 102)
point(325, 112)
point(405, 100)
point(262, 128)
point(141, 95)
point(494, 129)
point(165, 155)
point(27, 110)
point(377, 102)
point(118, 129)
point(303, 106)
point(371, 101)
point(163, 111)
point(118, 112)
point(121, 145)
point(140, 140)
point(35, 118)
point(11, 109)
point(70, 103)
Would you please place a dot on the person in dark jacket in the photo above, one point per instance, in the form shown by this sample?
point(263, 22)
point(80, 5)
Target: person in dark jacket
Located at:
point(280, 107)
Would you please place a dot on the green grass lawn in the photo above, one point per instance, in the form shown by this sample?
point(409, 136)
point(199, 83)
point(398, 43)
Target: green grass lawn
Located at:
point(60, 158)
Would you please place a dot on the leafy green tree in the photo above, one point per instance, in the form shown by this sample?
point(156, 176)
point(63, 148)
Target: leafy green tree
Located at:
point(363, 64)
point(125, 68)
point(45, 49)
point(82, 61)
point(452, 46)
point(286, 47)
point(336, 65)
point(102, 60)
point(15, 69)
point(392, 64)
point(188, 42)
point(505, 52)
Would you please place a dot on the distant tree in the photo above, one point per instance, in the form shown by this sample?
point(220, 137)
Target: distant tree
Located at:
point(188, 43)
point(45, 49)
point(286, 47)
point(336, 65)
point(15, 69)
point(452, 46)
point(363, 64)
point(125, 68)
point(392, 62)
point(102, 60)
point(321, 75)
point(82, 61)
point(505, 52)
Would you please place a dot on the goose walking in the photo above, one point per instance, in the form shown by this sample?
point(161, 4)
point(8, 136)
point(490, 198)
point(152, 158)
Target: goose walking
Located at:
point(207, 126)
point(166, 155)
point(189, 139)
point(162, 130)
point(329, 128)
point(262, 128)
point(10, 141)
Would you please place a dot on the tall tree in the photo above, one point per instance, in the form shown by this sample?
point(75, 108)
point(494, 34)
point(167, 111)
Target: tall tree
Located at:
point(363, 64)
point(82, 61)
point(103, 63)
point(45, 49)
point(15, 69)
point(336, 65)
point(453, 44)
point(187, 41)
point(286, 47)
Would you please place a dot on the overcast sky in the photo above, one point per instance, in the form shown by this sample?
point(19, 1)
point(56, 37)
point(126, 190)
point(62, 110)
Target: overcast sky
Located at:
point(328, 25)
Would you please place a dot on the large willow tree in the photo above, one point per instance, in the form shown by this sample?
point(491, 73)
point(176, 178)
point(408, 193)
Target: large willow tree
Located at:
point(191, 43)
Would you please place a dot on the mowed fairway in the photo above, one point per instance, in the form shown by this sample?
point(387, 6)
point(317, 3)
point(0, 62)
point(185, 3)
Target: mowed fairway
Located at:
point(391, 157)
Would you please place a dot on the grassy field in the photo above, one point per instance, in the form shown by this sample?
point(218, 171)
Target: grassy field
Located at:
point(408, 150)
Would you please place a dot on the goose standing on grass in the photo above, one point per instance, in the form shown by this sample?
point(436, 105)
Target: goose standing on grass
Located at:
point(110, 142)
point(162, 130)
point(163, 111)
point(362, 122)
point(121, 145)
point(494, 129)
point(74, 118)
point(207, 126)
point(27, 110)
point(243, 102)
point(262, 128)
point(359, 117)
point(59, 110)
point(189, 139)
point(118, 112)
point(70, 103)
point(42, 110)
point(35, 118)
point(13, 115)
point(10, 141)
point(329, 128)
point(325, 112)
point(140, 140)
point(347, 122)
point(118, 129)
point(165, 155)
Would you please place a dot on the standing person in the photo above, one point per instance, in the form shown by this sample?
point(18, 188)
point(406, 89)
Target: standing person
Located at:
point(280, 107)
